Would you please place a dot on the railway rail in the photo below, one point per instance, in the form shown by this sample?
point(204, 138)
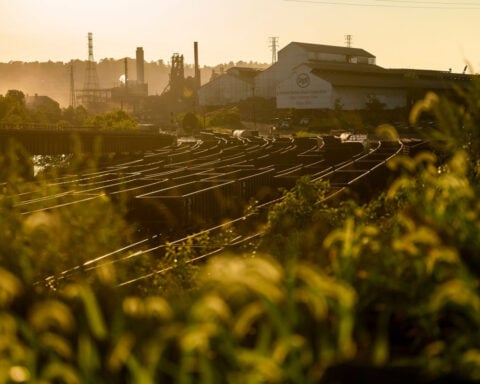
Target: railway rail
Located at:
point(197, 188)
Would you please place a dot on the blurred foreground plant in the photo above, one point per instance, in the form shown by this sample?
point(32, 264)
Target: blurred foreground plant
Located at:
point(393, 283)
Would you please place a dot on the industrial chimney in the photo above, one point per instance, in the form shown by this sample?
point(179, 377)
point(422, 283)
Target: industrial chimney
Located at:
point(140, 66)
point(197, 69)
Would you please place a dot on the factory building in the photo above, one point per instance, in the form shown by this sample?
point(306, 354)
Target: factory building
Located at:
point(236, 84)
point(130, 92)
point(352, 86)
point(315, 76)
point(330, 85)
point(295, 54)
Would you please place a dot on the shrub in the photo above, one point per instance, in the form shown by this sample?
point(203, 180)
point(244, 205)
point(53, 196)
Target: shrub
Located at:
point(115, 120)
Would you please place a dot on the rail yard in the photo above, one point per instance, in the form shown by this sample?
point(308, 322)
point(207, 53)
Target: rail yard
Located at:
point(199, 186)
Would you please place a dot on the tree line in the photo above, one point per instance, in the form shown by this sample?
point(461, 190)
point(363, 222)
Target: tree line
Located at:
point(53, 78)
point(16, 111)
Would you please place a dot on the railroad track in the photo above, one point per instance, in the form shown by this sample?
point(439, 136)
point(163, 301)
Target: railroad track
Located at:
point(202, 187)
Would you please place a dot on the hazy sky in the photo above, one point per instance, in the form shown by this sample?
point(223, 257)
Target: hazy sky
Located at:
point(424, 34)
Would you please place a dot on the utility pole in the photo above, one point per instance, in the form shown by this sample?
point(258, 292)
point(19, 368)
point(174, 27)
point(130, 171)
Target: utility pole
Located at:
point(273, 45)
point(125, 94)
point(348, 40)
point(72, 87)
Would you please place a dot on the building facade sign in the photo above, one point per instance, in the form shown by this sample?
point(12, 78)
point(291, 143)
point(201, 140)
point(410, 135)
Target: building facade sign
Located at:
point(303, 91)
point(303, 80)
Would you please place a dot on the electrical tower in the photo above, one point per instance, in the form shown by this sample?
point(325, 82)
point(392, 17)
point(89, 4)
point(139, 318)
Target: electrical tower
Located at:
point(273, 45)
point(91, 77)
point(348, 40)
point(90, 85)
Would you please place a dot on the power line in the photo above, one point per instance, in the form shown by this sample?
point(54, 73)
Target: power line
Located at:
point(435, 5)
point(428, 2)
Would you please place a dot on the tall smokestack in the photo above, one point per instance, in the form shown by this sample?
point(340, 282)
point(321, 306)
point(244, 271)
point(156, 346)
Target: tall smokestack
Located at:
point(140, 66)
point(197, 69)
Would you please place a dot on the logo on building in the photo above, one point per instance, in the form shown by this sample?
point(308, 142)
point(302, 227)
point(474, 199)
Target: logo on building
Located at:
point(303, 80)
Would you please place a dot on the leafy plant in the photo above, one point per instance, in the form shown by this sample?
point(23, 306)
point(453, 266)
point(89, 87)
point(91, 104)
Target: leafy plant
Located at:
point(388, 284)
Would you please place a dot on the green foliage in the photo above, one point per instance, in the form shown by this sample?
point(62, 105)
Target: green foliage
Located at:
point(190, 123)
point(45, 111)
point(390, 283)
point(38, 243)
point(225, 117)
point(16, 166)
point(374, 111)
point(115, 120)
point(411, 256)
point(456, 125)
point(74, 117)
point(258, 109)
point(287, 236)
point(12, 108)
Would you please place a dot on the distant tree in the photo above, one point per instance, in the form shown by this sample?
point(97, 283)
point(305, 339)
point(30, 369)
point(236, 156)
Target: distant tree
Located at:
point(257, 108)
point(3, 107)
point(16, 95)
point(75, 116)
point(115, 120)
point(374, 111)
point(13, 109)
point(338, 104)
point(45, 110)
point(190, 123)
point(225, 117)
point(374, 104)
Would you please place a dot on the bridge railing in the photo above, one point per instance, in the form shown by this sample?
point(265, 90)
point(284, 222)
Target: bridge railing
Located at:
point(43, 127)
point(72, 128)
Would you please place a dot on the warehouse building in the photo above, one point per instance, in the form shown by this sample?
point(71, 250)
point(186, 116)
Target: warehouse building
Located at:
point(295, 54)
point(236, 84)
point(352, 87)
point(326, 86)
point(315, 76)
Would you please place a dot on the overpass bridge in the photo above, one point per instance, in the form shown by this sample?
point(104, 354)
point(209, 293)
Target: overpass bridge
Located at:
point(51, 140)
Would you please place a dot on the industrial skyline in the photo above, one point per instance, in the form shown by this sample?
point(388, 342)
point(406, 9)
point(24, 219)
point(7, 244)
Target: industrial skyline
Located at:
point(402, 34)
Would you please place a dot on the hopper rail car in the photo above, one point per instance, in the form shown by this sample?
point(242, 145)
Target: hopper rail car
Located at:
point(204, 186)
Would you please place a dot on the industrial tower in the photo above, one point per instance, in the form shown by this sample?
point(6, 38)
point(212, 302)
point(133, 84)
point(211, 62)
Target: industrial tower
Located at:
point(91, 77)
point(91, 95)
point(177, 76)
